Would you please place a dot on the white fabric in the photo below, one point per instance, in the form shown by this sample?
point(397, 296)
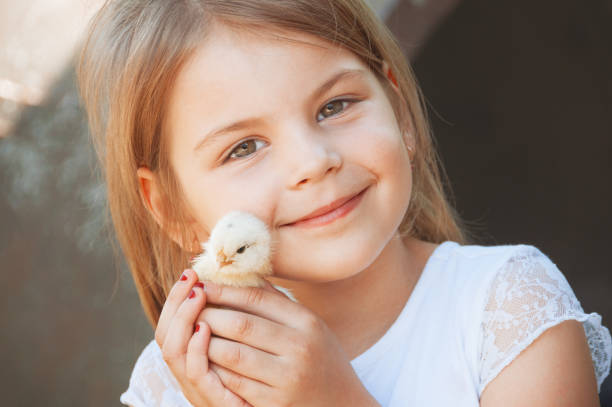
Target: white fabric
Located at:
point(152, 383)
point(473, 310)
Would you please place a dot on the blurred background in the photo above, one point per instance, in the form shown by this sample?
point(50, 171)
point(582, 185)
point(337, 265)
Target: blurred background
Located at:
point(520, 98)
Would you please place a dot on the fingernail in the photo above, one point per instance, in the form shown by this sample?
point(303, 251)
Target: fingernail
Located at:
point(192, 294)
point(199, 284)
point(197, 328)
point(184, 276)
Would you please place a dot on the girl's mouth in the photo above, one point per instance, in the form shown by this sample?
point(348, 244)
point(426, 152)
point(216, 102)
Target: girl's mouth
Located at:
point(331, 215)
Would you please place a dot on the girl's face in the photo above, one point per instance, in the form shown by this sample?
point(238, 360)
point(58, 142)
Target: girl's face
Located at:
point(281, 129)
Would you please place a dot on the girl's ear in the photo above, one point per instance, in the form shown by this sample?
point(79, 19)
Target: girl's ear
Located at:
point(150, 193)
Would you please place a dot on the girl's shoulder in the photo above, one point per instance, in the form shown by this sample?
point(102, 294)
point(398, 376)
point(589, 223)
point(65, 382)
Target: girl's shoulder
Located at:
point(490, 269)
point(510, 295)
point(469, 270)
point(473, 254)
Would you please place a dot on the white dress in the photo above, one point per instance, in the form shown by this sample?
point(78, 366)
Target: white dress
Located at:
point(473, 310)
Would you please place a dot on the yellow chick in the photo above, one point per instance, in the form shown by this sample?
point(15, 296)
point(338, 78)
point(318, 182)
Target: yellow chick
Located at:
point(237, 253)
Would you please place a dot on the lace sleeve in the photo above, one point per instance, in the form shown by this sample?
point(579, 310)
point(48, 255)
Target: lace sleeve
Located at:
point(527, 296)
point(152, 382)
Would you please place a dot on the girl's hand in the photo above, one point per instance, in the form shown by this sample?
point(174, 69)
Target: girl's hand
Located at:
point(185, 350)
point(272, 351)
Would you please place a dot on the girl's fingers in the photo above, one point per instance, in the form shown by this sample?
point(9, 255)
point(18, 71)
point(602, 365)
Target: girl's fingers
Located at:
point(180, 331)
point(176, 296)
point(259, 301)
point(184, 350)
point(249, 329)
point(197, 353)
point(205, 381)
point(246, 361)
point(250, 390)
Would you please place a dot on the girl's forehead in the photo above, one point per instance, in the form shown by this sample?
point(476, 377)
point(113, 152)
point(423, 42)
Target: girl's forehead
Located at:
point(250, 71)
point(231, 51)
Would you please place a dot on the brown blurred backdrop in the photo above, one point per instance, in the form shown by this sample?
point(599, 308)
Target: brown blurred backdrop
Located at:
point(520, 98)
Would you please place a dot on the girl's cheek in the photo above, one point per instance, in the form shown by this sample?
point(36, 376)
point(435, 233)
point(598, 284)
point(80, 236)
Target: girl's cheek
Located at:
point(257, 195)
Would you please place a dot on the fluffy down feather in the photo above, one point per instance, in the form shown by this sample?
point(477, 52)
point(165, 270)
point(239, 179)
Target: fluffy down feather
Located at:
point(237, 253)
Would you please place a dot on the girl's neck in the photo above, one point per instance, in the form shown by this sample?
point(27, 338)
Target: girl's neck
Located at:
point(360, 309)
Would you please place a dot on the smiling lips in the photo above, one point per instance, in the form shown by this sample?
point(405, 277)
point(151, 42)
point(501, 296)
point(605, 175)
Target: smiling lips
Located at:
point(328, 213)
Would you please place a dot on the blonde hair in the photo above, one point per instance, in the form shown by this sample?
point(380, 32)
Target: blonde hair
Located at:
point(132, 54)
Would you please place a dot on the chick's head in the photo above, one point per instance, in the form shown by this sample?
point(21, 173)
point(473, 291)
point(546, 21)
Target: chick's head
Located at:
point(240, 243)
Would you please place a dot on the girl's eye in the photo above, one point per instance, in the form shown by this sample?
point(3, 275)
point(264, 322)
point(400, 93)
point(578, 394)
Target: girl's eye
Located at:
point(245, 148)
point(332, 108)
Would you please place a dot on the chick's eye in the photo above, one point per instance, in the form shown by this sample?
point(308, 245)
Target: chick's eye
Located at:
point(332, 108)
point(245, 148)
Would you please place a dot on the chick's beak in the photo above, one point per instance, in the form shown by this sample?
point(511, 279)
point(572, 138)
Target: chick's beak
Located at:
point(222, 259)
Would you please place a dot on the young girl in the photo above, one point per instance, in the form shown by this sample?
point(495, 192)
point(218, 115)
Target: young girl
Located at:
point(306, 114)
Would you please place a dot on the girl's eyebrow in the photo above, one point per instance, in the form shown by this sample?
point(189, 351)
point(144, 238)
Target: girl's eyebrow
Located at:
point(253, 121)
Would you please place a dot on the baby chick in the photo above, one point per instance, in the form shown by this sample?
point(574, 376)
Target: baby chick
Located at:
point(237, 253)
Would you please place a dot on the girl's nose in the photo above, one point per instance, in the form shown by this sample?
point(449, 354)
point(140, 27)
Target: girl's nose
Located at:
point(312, 159)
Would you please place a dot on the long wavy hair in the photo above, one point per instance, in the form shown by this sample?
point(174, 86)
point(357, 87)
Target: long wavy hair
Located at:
point(132, 54)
